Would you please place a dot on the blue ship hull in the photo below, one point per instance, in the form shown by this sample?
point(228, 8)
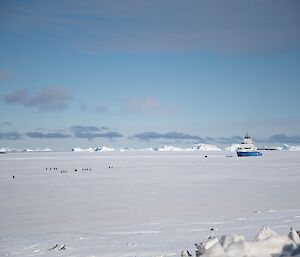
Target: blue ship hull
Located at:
point(247, 154)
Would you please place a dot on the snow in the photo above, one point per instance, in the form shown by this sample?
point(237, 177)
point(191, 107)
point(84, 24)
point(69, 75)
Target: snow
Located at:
point(148, 203)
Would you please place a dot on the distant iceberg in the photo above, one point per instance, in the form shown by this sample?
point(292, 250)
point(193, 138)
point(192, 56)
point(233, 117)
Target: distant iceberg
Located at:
point(90, 149)
point(3, 150)
point(78, 149)
point(290, 147)
point(105, 149)
point(7, 150)
point(232, 148)
point(126, 149)
point(206, 147)
point(168, 148)
point(198, 147)
point(39, 150)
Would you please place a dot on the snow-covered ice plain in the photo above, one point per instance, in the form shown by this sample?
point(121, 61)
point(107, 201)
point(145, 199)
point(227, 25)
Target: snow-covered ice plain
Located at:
point(141, 203)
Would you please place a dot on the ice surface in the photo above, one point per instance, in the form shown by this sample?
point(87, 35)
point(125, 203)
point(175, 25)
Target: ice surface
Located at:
point(142, 203)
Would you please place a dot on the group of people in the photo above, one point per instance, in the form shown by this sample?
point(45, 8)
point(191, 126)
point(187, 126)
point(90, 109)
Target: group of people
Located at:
point(66, 171)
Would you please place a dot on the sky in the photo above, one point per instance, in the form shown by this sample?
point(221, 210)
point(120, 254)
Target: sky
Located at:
point(143, 73)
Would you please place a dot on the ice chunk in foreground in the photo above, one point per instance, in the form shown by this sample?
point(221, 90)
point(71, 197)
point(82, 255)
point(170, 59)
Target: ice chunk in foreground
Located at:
point(204, 246)
point(293, 235)
point(265, 233)
point(185, 253)
point(266, 244)
point(227, 241)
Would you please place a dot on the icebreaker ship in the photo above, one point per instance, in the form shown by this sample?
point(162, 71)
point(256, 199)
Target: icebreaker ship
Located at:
point(247, 148)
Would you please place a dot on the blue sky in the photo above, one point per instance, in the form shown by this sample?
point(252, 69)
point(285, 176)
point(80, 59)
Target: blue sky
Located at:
point(91, 73)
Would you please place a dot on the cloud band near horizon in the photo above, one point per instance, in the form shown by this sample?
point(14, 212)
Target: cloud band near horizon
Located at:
point(48, 99)
point(93, 132)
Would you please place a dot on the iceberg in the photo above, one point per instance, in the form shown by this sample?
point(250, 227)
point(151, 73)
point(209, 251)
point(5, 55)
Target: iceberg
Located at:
point(291, 147)
point(78, 149)
point(39, 150)
point(206, 147)
point(168, 148)
point(4, 150)
point(232, 148)
point(125, 149)
point(105, 149)
point(90, 149)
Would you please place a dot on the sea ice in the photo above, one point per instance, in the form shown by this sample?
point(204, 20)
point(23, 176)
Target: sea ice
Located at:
point(150, 204)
